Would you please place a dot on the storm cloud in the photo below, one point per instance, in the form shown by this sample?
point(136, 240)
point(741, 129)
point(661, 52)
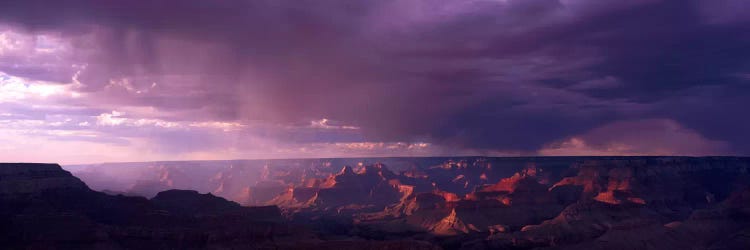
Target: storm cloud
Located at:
point(484, 77)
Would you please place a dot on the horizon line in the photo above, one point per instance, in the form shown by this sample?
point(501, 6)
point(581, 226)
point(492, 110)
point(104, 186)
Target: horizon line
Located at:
point(390, 157)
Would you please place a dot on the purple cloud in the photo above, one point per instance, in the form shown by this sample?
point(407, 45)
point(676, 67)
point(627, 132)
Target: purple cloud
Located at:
point(478, 76)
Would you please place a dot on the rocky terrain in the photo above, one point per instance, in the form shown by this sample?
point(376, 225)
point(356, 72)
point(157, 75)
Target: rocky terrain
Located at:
point(44, 207)
point(388, 203)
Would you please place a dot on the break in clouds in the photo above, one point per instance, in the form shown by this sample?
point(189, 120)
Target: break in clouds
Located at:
point(89, 80)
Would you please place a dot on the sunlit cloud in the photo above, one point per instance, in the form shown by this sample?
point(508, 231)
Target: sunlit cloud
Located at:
point(16, 89)
point(328, 124)
point(639, 137)
point(110, 119)
point(116, 118)
point(393, 78)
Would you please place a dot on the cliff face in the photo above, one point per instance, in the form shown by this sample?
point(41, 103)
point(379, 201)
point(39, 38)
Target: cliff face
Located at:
point(21, 180)
point(372, 189)
point(471, 203)
point(45, 207)
point(642, 204)
point(588, 204)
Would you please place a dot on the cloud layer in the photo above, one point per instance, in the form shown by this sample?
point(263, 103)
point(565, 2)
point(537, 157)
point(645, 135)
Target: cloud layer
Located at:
point(271, 78)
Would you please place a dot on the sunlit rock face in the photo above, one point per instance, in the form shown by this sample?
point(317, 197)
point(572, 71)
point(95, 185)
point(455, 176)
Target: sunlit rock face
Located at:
point(479, 202)
point(372, 188)
point(641, 204)
point(588, 199)
point(43, 206)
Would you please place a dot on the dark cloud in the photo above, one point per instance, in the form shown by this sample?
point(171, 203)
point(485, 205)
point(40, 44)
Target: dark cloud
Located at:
point(486, 75)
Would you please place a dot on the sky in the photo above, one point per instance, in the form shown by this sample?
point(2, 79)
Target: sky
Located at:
point(86, 81)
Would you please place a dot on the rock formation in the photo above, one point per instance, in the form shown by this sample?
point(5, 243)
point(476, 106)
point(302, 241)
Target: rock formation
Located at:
point(45, 207)
point(461, 202)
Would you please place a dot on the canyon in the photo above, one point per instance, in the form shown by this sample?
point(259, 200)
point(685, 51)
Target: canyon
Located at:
point(381, 203)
